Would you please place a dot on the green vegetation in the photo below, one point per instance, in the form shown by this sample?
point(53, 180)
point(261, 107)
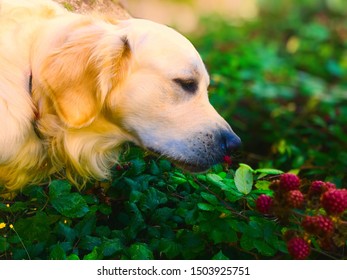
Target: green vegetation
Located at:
point(281, 82)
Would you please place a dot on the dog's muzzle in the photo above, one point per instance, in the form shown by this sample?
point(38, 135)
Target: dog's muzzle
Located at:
point(200, 151)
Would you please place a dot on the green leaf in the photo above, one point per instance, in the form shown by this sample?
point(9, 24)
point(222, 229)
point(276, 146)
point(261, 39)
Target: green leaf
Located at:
point(58, 188)
point(264, 248)
point(103, 231)
point(213, 178)
point(86, 226)
point(89, 242)
point(268, 171)
point(219, 231)
point(170, 248)
point(136, 222)
point(216, 180)
point(217, 168)
point(70, 205)
point(210, 198)
point(246, 242)
point(233, 195)
point(154, 169)
point(246, 166)
point(67, 232)
point(105, 209)
point(220, 256)
point(219, 235)
point(201, 177)
point(162, 215)
point(137, 167)
point(244, 179)
point(178, 180)
point(193, 184)
point(151, 199)
point(140, 251)
point(36, 250)
point(294, 171)
point(17, 207)
point(281, 245)
point(262, 185)
point(132, 184)
point(72, 257)
point(4, 245)
point(205, 207)
point(111, 246)
point(94, 255)
point(192, 243)
point(4, 208)
point(135, 196)
point(165, 165)
point(35, 228)
point(57, 253)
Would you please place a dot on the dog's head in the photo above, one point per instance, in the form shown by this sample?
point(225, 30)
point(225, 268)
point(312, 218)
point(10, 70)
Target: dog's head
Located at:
point(146, 79)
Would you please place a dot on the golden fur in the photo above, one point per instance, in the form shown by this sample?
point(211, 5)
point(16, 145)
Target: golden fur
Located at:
point(74, 87)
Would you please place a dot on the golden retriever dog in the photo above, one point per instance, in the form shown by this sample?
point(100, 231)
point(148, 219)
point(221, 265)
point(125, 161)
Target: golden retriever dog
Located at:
point(74, 88)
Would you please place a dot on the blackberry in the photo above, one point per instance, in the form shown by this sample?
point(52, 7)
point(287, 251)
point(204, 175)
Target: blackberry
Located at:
point(329, 186)
point(295, 198)
point(298, 248)
point(289, 182)
point(317, 187)
point(334, 201)
point(264, 203)
point(319, 225)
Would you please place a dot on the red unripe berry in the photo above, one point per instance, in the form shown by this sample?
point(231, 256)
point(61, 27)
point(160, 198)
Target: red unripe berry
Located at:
point(334, 201)
point(119, 167)
point(319, 225)
point(289, 182)
point(264, 203)
point(295, 199)
point(317, 187)
point(298, 248)
point(227, 160)
point(329, 186)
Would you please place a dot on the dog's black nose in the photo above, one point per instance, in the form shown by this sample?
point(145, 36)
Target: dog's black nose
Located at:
point(230, 142)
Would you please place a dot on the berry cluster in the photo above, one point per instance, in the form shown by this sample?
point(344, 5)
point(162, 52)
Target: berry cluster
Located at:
point(316, 210)
point(287, 195)
point(123, 167)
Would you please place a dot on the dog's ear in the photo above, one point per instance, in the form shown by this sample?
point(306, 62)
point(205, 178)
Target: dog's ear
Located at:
point(78, 75)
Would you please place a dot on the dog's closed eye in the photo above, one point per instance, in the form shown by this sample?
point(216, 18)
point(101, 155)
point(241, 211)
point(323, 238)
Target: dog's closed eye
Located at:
point(189, 85)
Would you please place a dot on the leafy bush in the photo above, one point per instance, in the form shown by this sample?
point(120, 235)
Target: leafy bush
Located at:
point(283, 78)
point(151, 210)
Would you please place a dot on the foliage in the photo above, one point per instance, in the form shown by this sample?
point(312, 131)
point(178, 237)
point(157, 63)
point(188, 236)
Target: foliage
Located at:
point(283, 78)
point(151, 210)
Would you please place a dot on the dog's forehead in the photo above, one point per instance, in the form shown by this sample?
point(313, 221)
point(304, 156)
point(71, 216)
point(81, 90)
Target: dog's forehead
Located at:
point(157, 36)
point(165, 46)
